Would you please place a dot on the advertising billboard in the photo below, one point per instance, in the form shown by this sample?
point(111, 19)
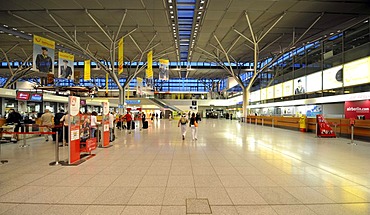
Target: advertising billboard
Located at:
point(270, 92)
point(255, 96)
point(314, 82)
point(288, 88)
point(356, 72)
point(263, 94)
point(333, 78)
point(278, 90)
point(300, 85)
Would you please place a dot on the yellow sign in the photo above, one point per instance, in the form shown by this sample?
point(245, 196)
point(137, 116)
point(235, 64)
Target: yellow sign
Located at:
point(43, 42)
point(120, 56)
point(149, 71)
point(66, 56)
point(163, 61)
point(106, 82)
point(87, 68)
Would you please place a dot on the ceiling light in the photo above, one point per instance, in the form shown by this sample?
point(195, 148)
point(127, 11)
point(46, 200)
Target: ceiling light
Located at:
point(22, 32)
point(172, 17)
point(198, 17)
point(201, 8)
point(171, 12)
point(29, 34)
point(14, 29)
point(1, 32)
point(200, 12)
point(197, 24)
point(331, 33)
point(202, 1)
point(10, 34)
point(5, 26)
point(171, 7)
point(173, 24)
point(169, 1)
point(196, 31)
point(17, 36)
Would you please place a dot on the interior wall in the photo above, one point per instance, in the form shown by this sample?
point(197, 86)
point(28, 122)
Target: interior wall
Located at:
point(333, 110)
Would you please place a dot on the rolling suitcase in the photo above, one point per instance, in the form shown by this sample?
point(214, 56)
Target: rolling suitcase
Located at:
point(145, 124)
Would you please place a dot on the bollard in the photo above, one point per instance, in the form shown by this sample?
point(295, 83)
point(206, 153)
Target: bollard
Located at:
point(316, 130)
point(56, 162)
point(352, 134)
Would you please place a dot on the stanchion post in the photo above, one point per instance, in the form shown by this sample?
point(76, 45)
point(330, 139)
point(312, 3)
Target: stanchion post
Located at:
point(56, 162)
point(352, 135)
point(262, 122)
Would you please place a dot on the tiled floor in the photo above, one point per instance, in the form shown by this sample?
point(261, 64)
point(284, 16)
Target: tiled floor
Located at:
point(237, 168)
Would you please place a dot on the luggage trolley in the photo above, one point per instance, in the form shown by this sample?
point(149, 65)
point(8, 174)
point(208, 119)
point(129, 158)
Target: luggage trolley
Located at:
point(7, 138)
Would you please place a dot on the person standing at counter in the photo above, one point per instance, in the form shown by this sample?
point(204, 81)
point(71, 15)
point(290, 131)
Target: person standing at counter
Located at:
point(94, 123)
point(65, 120)
point(15, 118)
point(47, 122)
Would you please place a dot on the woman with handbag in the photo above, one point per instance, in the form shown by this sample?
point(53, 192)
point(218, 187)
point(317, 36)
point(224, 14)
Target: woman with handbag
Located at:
point(194, 126)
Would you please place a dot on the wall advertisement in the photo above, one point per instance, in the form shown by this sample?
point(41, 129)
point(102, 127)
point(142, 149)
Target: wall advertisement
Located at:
point(279, 90)
point(300, 85)
point(270, 92)
point(356, 72)
point(333, 78)
point(288, 88)
point(314, 82)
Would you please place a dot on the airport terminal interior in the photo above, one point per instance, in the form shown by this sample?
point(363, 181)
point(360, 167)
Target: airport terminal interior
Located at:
point(170, 107)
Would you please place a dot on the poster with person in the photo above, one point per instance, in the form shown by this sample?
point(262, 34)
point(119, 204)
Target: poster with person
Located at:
point(65, 66)
point(43, 54)
point(300, 85)
point(164, 71)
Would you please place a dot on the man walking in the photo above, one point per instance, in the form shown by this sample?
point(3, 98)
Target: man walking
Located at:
point(47, 122)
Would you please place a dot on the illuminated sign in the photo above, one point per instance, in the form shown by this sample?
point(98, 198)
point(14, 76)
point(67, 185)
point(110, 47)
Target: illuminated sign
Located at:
point(356, 72)
point(278, 90)
point(288, 88)
point(333, 78)
point(314, 82)
point(300, 85)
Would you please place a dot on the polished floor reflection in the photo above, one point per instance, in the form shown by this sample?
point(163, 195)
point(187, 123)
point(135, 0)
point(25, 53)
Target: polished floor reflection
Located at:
point(232, 168)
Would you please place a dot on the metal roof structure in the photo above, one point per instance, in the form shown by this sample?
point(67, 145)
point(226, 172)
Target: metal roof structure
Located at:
point(179, 30)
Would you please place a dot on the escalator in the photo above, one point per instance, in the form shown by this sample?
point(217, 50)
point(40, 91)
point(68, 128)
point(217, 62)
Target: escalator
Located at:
point(164, 105)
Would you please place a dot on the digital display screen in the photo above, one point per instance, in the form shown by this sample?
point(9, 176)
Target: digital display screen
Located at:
point(24, 96)
point(36, 97)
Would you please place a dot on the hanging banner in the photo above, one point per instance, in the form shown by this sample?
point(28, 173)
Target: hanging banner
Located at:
point(65, 65)
point(323, 128)
point(149, 71)
point(105, 122)
point(120, 56)
point(164, 70)
point(74, 129)
point(139, 87)
point(87, 69)
point(43, 54)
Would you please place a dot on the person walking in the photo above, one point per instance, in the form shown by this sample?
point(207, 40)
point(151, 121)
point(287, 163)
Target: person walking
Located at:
point(15, 118)
point(183, 122)
point(128, 121)
point(47, 122)
point(194, 126)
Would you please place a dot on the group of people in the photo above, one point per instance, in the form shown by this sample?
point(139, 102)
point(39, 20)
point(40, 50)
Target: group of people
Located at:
point(193, 121)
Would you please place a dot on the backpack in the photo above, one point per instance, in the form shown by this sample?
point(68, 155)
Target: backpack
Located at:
point(183, 120)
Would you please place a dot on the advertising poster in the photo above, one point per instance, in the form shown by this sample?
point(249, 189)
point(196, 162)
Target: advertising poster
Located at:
point(120, 56)
point(74, 129)
point(65, 65)
point(270, 92)
point(278, 90)
point(255, 96)
point(87, 70)
point(139, 87)
point(105, 123)
point(164, 71)
point(43, 54)
point(263, 94)
point(314, 82)
point(356, 72)
point(288, 88)
point(85, 124)
point(333, 78)
point(300, 85)
point(357, 109)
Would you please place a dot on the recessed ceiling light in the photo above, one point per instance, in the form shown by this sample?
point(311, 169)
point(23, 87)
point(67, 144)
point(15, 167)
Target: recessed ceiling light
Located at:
point(200, 12)
point(10, 34)
point(29, 34)
point(5, 26)
point(169, 1)
point(198, 17)
point(173, 24)
point(17, 36)
point(171, 7)
point(197, 24)
point(14, 29)
point(172, 17)
point(171, 12)
point(202, 1)
point(1, 32)
point(22, 32)
point(201, 8)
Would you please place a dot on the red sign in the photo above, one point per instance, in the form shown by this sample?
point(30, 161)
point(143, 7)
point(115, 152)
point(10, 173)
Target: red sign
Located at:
point(323, 128)
point(74, 144)
point(357, 109)
point(23, 96)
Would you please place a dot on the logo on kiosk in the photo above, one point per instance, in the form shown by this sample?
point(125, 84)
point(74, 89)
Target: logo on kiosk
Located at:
point(74, 105)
